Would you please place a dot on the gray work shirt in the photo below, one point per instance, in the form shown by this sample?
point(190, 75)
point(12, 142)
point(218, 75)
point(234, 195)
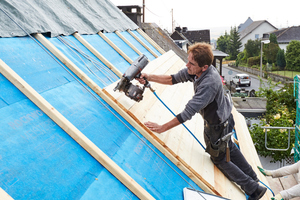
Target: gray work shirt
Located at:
point(209, 99)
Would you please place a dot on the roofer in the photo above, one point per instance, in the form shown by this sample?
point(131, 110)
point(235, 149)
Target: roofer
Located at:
point(210, 101)
point(284, 171)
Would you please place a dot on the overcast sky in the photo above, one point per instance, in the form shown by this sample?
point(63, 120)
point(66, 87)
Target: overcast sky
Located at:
point(217, 15)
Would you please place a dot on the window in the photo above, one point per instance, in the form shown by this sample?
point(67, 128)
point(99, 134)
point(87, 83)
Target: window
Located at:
point(256, 36)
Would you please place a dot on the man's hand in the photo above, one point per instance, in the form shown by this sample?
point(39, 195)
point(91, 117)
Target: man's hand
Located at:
point(154, 127)
point(142, 78)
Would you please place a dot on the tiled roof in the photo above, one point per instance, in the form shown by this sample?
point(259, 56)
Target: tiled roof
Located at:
point(287, 34)
point(192, 36)
point(252, 27)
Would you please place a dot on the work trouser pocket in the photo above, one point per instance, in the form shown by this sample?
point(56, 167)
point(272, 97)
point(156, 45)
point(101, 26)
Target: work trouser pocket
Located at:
point(214, 146)
point(215, 150)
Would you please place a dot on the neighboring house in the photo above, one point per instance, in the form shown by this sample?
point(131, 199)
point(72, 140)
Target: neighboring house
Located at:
point(180, 39)
point(241, 27)
point(181, 35)
point(255, 31)
point(285, 35)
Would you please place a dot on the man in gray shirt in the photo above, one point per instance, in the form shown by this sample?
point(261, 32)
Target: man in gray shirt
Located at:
point(210, 101)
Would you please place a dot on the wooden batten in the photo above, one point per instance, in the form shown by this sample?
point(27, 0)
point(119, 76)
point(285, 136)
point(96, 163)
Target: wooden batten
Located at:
point(115, 47)
point(152, 42)
point(142, 43)
point(4, 195)
point(92, 49)
point(69, 128)
point(131, 119)
point(128, 43)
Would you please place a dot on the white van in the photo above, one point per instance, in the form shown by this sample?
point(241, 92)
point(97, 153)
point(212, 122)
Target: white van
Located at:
point(241, 79)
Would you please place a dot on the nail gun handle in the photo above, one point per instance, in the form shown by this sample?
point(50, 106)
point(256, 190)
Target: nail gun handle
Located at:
point(147, 84)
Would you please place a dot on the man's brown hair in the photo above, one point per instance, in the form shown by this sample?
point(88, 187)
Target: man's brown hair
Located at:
point(202, 53)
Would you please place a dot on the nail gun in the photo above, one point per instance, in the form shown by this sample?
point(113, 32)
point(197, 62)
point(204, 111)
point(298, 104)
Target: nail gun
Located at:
point(134, 92)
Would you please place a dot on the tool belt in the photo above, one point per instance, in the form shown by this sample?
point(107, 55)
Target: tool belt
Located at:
point(212, 135)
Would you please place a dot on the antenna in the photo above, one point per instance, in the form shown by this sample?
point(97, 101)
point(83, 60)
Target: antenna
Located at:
point(143, 11)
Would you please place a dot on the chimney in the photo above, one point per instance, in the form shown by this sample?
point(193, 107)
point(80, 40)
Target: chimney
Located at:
point(178, 29)
point(133, 12)
point(184, 29)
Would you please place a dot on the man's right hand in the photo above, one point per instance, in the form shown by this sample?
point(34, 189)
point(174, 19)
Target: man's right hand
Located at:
point(142, 78)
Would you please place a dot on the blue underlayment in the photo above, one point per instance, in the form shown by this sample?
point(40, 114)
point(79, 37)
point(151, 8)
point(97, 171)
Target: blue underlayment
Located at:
point(107, 51)
point(85, 60)
point(122, 45)
point(138, 45)
point(41, 161)
point(136, 33)
point(38, 159)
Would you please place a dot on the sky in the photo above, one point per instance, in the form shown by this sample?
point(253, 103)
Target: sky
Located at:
point(217, 15)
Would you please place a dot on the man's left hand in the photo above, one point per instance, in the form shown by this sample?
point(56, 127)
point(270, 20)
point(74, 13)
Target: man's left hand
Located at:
point(154, 127)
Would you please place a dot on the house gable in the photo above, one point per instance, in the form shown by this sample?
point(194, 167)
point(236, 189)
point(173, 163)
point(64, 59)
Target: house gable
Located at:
point(255, 31)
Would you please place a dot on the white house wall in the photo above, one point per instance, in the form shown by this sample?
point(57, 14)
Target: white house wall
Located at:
point(260, 30)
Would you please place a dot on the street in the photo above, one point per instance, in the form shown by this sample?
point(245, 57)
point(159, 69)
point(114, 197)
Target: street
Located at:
point(229, 73)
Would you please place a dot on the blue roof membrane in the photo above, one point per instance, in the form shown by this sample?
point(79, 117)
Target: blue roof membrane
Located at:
point(85, 60)
point(136, 33)
point(39, 160)
point(107, 51)
point(94, 118)
point(122, 45)
point(138, 45)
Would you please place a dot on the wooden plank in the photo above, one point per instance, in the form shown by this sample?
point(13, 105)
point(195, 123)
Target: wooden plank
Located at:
point(247, 147)
point(288, 181)
point(93, 50)
point(128, 43)
point(4, 195)
point(275, 184)
point(115, 47)
point(152, 42)
point(69, 128)
point(142, 43)
point(130, 118)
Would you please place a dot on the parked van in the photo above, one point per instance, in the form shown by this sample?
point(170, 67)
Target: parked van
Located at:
point(242, 79)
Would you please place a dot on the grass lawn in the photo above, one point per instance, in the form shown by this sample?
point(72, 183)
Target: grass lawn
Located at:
point(290, 74)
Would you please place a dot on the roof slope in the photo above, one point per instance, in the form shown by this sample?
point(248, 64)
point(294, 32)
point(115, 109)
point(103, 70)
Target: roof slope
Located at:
point(285, 35)
point(62, 17)
point(193, 36)
point(50, 151)
point(66, 138)
point(241, 27)
point(252, 27)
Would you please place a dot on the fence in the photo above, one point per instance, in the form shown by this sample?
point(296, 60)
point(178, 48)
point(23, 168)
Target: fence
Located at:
point(297, 123)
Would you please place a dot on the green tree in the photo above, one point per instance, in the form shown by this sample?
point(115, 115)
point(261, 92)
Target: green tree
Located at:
point(234, 43)
point(292, 55)
point(280, 59)
point(271, 50)
point(252, 48)
point(281, 112)
point(222, 43)
point(273, 38)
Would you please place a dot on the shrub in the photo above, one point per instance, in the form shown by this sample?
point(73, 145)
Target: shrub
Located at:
point(254, 61)
point(281, 112)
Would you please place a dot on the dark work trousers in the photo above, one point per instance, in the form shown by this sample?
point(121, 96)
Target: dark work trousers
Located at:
point(237, 169)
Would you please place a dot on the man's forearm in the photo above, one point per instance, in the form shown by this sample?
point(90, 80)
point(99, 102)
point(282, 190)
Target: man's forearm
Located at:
point(171, 124)
point(162, 79)
point(162, 128)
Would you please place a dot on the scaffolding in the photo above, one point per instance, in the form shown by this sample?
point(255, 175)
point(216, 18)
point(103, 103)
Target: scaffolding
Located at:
point(297, 123)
